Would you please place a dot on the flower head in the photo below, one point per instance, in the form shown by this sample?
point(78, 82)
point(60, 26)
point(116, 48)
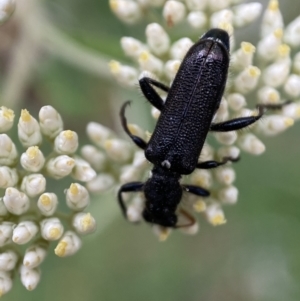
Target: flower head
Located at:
point(267, 69)
point(28, 211)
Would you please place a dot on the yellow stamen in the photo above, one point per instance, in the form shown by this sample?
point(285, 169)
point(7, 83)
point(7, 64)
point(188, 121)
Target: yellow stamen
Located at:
point(25, 116)
point(74, 189)
point(247, 47)
point(60, 250)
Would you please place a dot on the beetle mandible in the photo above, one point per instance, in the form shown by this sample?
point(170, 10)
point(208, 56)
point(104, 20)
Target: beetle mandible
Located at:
point(185, 120)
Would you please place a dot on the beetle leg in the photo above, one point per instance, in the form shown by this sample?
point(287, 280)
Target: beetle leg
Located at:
point(239, 123)
point(129, 187)
point(214, 164)
point(195, 190)
point(150, 93)
point(137, 140)
point(187, 215)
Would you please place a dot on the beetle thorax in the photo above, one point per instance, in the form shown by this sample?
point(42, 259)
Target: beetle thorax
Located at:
point(163, 193)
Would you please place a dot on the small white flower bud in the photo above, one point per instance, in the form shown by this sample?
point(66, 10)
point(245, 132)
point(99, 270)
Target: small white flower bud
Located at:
point(222, 113)
point(5, 283)
point(29, 130)
point(132, 47)
point(226, 138)
point(51, 228)
point(50, 122)
point(245, 14)
point(136, 130)
point(101, 183)
point(66, 142)
point(98, 133)
point(3, 210)
point(274, 124)
point(7, 7)
point(225, 175)
point(84, 223)
point(8, 260)
point(283, 52)
point(221, 16)
point(8, 177)
point(157, 39)
point(197, 19)
point(247, 80)
point(202, 178)
point(236, 101)
point(92, 155)
point(7, 117)
point(243, 57)
point(171, 68)
point(77, 197)
point(272, 18)
point(33, 159)
point(292, 33)
point(292, 110)
point(173, 12)
point(196, 5)
point(118, 150)
point(47, 203)
point(129, 173)
point(29, 277)
point(60, 166)
point(16, 201)
point(24, 232)
point(125, 75)
point(268, 95)
point(276, 74)
point(228, 151)
point(83, 171)
point(190, 230)
point(215, 215)
point(135, 209)
point(199, 205)
point(34, 256)
point(8, 151)
point(207, 153)
point(68, 245)
point(180, 48)
point(139, 160)
point(127, 11)
point(6, 231)
point(161, 233)
point(292, 85)
point(33, 184)
point(150, 63)
point(251, 144)
point(228, 195)
point(267, 47)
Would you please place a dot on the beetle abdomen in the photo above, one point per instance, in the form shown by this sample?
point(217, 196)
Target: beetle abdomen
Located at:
point(192, 101)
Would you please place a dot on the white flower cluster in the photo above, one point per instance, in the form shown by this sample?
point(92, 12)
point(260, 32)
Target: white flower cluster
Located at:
point(28, 212)
point(114, 159)
point(270, 69)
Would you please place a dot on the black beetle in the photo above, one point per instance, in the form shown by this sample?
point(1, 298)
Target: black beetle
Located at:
point(185, 119)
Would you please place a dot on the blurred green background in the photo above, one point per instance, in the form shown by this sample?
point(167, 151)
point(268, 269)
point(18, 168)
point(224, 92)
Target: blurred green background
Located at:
point(255, 256)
